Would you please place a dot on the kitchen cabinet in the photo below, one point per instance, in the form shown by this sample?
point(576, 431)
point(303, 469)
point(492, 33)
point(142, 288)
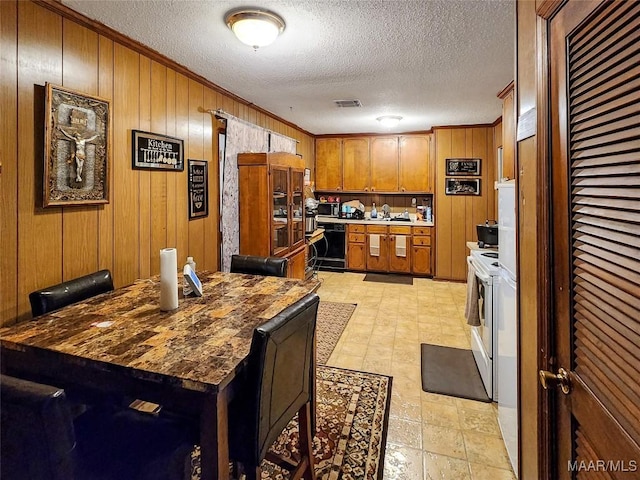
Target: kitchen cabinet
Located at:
point(399, 252)
point(384, 164)
point(508, 134)
point(356, 247)
point(329, 164)
point(355, 164)
point(421, 250)
point(379, 261)
point(415, 163)
point(271, 207)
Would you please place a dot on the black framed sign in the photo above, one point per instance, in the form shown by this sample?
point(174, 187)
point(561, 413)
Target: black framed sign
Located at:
point(462, 166)
point(462, 186)
point(152, 150)
point(198, 188)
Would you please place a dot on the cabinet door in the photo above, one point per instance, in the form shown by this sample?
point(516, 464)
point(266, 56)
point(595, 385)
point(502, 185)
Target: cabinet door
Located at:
point(356, 256)
point(329, 164)
point(297, 207)
point(355, 164)
point(297, 264)
point(384, 164)
point(280, 231)
point(397, 262)
point(415, 166)
point(421, 257)
point(379, 263)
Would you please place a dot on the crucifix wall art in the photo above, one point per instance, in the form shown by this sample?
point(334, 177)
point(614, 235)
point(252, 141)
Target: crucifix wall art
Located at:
point(77, 148)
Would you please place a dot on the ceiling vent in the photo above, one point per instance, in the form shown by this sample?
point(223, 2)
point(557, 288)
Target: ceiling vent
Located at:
point(347, 103)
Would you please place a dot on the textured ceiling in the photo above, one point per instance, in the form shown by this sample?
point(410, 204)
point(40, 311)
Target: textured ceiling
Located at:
point(434, 62)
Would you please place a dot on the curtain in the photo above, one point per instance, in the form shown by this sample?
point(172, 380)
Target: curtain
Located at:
point(241, 137)
point(280, 143)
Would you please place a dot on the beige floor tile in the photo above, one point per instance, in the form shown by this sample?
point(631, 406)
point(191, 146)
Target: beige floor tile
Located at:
point(464, 403)
point(443, 440)
point(486, 449)
point(440, 414)
point(375, 364)
point(479, 421)
point(403, 463)
point(354, 349)
point(437, 398)
point(353, 362)
point(441, 467)
point(404, 432)
point(388, 332)
point(407, 408)
point(380, 350)
point(485, 472)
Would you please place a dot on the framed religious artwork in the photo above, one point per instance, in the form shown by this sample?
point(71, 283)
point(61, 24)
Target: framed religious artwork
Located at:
point(156, 151)
point(77, 148)
point(198, 188)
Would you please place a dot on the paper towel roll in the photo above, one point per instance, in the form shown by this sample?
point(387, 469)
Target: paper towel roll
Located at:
point(168, 279)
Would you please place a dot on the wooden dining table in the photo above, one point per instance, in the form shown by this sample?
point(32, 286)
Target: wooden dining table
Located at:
point(121, 343)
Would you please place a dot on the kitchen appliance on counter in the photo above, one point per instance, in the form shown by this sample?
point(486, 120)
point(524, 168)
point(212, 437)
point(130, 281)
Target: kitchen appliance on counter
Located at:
point(484, 338)
point(487, 234)
point(329, 209)
point(507, 348)
point(310, 222)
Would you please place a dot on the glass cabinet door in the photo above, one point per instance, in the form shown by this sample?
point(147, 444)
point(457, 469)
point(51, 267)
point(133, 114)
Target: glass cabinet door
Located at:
point(279, 209)
point(297, 206)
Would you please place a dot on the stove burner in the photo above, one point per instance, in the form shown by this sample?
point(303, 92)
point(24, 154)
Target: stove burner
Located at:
point(490, 254)
point(494, 264)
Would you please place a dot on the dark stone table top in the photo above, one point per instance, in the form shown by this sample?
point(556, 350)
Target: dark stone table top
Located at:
point(198, 346)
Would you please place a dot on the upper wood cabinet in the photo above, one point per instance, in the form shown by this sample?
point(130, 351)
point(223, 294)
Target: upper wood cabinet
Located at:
point(415, 163)
point(355, 163)
point(384, 164)
point(508, 133)
point(329, 164)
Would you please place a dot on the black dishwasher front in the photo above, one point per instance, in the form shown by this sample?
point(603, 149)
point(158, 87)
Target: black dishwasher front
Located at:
point(331, 250)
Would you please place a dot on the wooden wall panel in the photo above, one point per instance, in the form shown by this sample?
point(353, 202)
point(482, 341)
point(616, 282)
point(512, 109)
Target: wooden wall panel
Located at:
point(8, 162)
point(39, 230)
point(144, 176)
point(79, 224)
point(126, 93)
point(147, 209)
point(456, 216)
point(105, 212)
point(158, 187)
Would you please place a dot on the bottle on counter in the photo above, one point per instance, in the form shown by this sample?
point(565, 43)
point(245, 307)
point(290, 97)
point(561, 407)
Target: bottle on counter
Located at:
point(374, 212)
point(406, 213)
point(186, 289)
point(428, 217)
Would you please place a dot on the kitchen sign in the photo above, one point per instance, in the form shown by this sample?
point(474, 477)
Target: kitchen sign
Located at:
point(462, 166)
point(198, 188)
point(151, 150)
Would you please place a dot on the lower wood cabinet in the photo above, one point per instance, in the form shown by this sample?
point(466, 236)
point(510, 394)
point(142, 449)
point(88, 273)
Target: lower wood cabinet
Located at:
point(297, 263)
point(377, 248)
point(421, 251)
point(356, 247)
point(393, 256)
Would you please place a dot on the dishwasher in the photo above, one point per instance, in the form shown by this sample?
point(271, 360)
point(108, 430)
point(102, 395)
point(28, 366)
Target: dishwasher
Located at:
point(331, 250)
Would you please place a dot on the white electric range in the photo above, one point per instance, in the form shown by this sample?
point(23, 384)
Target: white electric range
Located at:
point(484, 338)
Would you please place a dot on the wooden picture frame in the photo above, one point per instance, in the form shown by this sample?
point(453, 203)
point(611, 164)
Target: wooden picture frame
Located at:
point(462, 186)
point(462, 166)
point(77, 148)
point(156, 151)
point(198, 178)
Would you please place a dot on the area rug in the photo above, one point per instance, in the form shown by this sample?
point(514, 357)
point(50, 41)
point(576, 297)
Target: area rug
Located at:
point(351, 429)
point(387, 278)
point(451, 371)
point(332, 319)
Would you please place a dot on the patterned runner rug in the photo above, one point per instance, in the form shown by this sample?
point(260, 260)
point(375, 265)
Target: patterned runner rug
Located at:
point(332, 319)
point(351, 430)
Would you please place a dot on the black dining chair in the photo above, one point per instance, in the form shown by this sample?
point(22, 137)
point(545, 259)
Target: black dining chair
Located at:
point(72, 291)
point(256, 265)
point(277, 384)
point(41, 440)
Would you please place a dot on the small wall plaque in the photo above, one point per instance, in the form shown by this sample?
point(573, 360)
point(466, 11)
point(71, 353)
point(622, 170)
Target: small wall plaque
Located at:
point(462, 186)
point(198, 189)
point(152, 150)
point(463, 166)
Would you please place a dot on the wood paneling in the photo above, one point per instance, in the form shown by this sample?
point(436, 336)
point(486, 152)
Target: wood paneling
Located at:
point(147, 209)
point(456, 216)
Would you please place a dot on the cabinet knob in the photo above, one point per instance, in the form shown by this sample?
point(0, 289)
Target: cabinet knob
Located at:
point(366, 189)
point(403, 189)
point(373, 189)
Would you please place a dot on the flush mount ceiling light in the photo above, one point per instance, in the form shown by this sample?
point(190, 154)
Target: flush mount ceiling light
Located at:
point(255, 27)
point(389, 121)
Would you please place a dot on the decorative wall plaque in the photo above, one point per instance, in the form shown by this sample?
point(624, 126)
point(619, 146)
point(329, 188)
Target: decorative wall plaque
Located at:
point(198, 188)
point(462, 166)
point(77, 148)
point(462, 186)
point(152, 150)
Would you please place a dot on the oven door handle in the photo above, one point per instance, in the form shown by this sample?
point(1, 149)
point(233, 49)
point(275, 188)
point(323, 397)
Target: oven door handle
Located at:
point(482, 278)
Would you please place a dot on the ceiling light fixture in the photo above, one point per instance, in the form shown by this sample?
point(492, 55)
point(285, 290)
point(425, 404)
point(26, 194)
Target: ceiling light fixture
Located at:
point(255, 27)
point(389, 121)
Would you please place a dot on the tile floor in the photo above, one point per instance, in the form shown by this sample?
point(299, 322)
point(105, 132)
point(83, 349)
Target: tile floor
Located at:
point(430, 436)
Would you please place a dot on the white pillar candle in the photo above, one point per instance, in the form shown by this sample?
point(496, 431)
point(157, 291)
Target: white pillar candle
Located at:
point(168, 279)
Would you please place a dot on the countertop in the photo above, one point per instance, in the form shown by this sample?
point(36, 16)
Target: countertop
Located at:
point(368, 221)
point(474, 246)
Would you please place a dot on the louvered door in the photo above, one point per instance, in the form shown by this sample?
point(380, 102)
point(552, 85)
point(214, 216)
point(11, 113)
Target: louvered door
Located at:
point(595, 108)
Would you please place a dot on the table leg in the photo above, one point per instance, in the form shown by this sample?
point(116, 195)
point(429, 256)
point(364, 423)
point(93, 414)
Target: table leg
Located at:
point(214, 438)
